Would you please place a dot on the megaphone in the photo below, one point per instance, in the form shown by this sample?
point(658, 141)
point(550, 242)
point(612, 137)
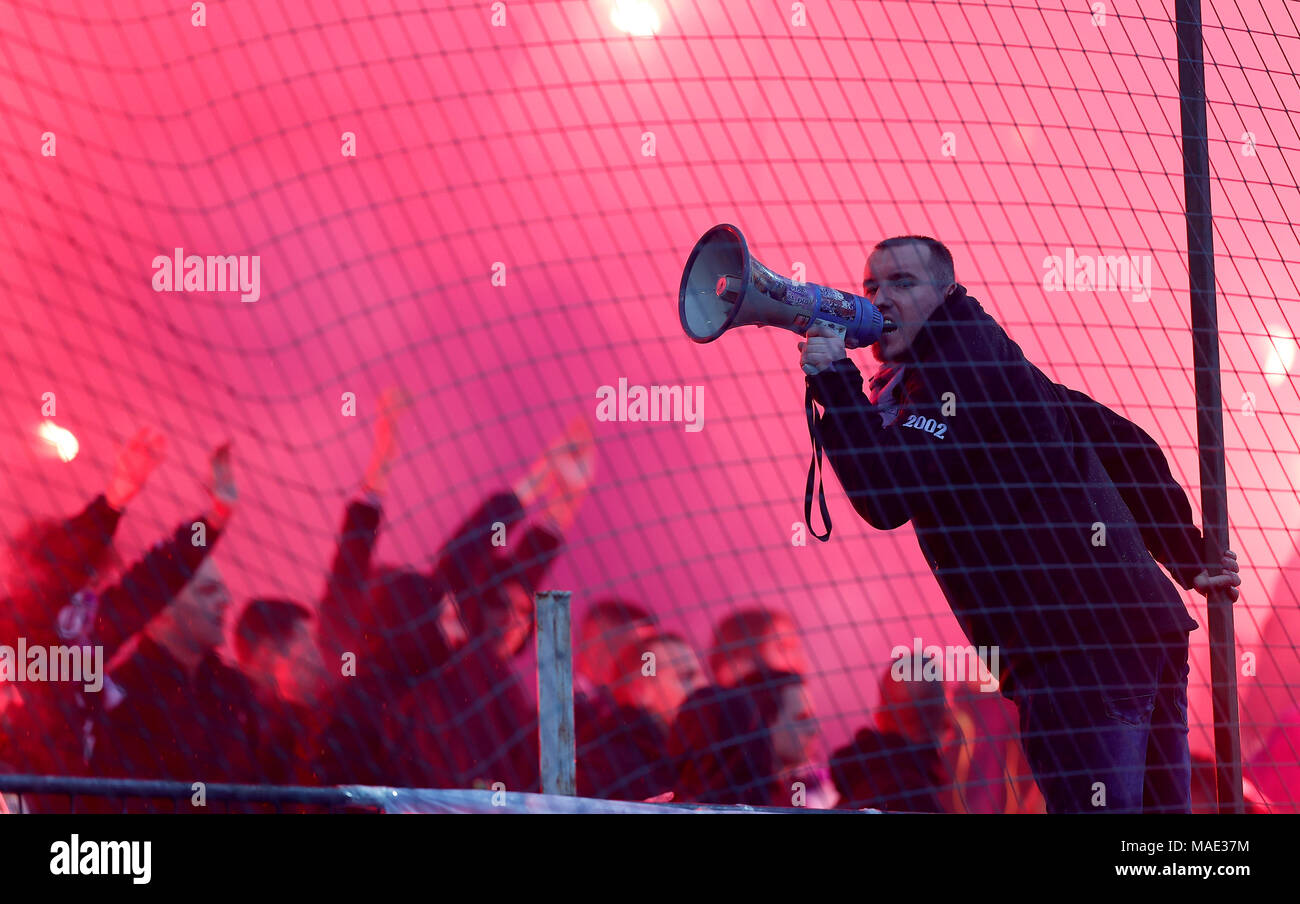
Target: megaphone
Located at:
point(723, 288)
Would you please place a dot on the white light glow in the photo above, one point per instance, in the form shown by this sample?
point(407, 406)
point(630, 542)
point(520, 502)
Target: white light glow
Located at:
point(61, 441)
point(1281, 354)
point(636, 17)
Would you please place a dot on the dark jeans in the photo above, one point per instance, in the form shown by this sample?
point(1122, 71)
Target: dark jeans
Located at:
point(1106, 732)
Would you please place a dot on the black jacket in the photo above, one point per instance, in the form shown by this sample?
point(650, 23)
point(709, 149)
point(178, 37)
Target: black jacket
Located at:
point(467, 566)
point(886, 771)
point(475, 570)
point(52, 731)
point(1006, 478)
point(403, 655)
point(468, 724)
point(178, 726)
point(619, 751)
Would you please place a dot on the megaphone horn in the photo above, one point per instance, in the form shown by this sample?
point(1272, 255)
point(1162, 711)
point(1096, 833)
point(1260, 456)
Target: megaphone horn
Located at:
point(723, 288)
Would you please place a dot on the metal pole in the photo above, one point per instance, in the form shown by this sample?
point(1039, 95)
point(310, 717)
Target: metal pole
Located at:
point(555, 693)
point(1209, 403)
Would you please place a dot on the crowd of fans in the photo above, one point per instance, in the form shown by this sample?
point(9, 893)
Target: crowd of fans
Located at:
point(404, 676)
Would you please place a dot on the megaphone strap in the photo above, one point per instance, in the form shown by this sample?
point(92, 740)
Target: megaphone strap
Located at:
point(815, 435)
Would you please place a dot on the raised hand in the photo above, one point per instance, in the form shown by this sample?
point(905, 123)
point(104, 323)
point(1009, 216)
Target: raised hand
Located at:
point(573, 458)
point(562, 474)
point(224, 492)
point(136, 460)
point(392, 404)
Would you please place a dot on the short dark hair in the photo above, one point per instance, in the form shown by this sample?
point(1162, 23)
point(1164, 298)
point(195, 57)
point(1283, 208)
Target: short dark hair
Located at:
point(628, 655)
point(403, 609)
point(619, 611)
point(722, 750)
point(482, 607)
point(765, 687)
point(269, 621)
point(746, 625)
point(941, 266)
point(742, 631)
point(634, 648)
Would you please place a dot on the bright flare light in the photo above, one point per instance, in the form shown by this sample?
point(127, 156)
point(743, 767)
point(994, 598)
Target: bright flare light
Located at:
point(1282, 354)
point(61, 441)
point(636, 17)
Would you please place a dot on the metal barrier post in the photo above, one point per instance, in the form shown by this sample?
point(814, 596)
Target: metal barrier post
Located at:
point(555, 693)
point(1209, 402)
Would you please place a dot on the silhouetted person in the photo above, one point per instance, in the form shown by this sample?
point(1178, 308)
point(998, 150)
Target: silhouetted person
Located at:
point(185, 713)
point(620, 745)
point(61, 598)
point(603, 632)
point(427, 645)
point(989, 771)
point(618, 748)
point(786, 712)
point(897, 765)
point(723, 751)
point(1039, 511)
point(752, 639)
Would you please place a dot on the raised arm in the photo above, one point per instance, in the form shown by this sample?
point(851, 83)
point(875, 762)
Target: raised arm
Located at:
point(882, 469)
point(354, 551)
point(136, 460)
point(975, 414)
point(347, 584)
point(150, 584)
point(154, 581)
point(349, 577)
point(533, 556)
point(468, 557)
point(888, 472)
point(69, 555)
point(560, 477)
point(63, 559)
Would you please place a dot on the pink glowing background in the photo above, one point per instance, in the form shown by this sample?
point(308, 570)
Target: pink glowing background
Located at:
point(524, 144)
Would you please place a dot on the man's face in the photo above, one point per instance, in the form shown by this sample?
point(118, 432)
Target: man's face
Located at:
point(513, 622)
point(916, 710)
point(784, 653)
point(296, 673)
point(602, 639)
point(677, 675)
point(194, 623)
point(795, 728)
point(899, 282)
point(778, 650)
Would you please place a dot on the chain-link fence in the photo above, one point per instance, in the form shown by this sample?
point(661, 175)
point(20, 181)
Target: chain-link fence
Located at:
point(279, 485)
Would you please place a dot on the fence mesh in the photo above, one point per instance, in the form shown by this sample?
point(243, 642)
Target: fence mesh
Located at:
point(325, 330)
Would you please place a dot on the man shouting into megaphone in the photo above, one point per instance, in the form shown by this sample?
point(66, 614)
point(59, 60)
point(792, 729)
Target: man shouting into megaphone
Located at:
point(1042, 514)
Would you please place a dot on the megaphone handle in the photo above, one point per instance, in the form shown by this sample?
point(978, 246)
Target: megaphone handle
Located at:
point(815, 435)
